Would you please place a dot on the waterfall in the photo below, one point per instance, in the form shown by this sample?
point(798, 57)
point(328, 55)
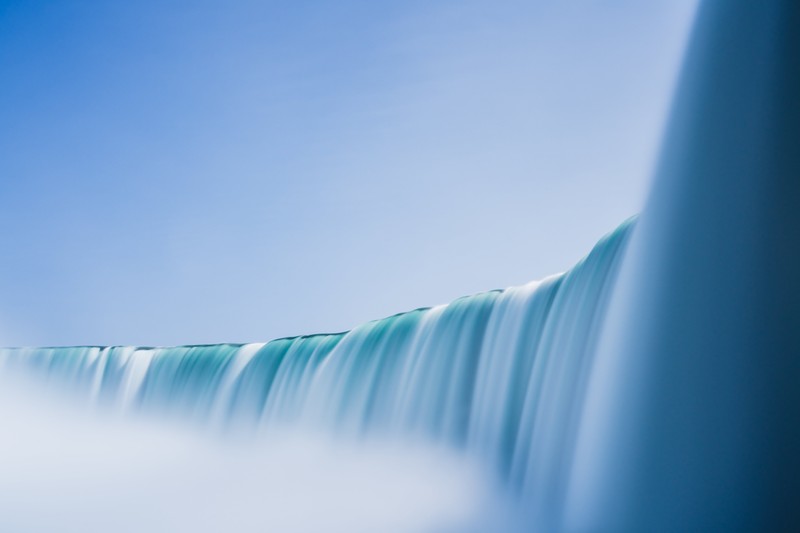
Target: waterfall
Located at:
point(499, 374)
point(666, 402)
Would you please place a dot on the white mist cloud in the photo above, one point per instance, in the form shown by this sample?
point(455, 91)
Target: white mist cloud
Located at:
point(62, 470)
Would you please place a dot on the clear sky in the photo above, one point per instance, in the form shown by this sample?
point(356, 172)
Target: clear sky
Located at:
point(189, 172)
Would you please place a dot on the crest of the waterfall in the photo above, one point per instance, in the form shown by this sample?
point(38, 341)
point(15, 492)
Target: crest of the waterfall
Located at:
point(499, 375)
point(693, 414)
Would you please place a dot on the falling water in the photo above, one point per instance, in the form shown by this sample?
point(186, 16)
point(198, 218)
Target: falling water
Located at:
point(500, 375)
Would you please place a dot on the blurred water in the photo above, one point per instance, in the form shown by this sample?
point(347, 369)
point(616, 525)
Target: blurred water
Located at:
point(496, 378)
point(665, 402)
point(63, 470)
point(693, 412)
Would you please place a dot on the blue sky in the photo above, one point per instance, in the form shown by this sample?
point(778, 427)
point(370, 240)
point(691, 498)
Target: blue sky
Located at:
point(190, 172)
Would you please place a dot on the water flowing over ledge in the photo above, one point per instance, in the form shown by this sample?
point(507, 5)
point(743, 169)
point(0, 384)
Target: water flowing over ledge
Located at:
point(500, 374)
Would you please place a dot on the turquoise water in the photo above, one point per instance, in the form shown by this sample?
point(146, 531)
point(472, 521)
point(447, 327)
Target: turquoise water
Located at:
point(500, 374)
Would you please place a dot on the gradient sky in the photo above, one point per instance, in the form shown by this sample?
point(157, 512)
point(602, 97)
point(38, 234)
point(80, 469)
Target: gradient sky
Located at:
point(189, 172)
